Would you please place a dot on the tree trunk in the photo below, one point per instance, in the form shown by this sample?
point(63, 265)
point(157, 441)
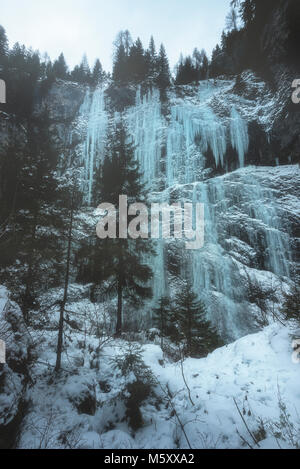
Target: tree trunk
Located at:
point(65, 297)
point(27, 301)
point(162, 330)
point(60, 337)
point(120, 307)
point(189, 334)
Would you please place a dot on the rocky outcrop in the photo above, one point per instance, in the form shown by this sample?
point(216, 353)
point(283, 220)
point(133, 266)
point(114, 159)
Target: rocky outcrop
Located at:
point(14, 374)
point(62, 101)
point(280, 48)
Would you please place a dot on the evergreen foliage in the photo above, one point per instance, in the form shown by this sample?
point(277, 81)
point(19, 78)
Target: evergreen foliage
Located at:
point(162, 318)
point(192, 69)
point(291, 304)
point(134, 64)
point(60, 68)
point(183, 321)
point(33, 215)
point(131, 364)
point(121, 261)
point(98, 74)
point(196, 335)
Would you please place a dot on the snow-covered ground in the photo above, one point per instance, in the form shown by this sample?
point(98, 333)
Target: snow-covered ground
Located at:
point(257, 371)
point(84, 406)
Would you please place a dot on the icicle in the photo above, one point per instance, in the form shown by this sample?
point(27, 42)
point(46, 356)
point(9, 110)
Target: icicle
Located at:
point(193, 129)
point(216, 276)
point(145, 127)
point(93, 110)
point(190, 130)
point(239, 136)
point(262, 204)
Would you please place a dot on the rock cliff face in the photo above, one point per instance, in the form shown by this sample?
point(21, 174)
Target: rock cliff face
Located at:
point(281, 34)
point(279, 44)
point(251, 216)
point(213, 143)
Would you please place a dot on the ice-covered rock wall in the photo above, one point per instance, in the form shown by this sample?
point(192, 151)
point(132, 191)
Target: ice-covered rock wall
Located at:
point(247, 232)
point(247, 239)
point(176, 143)
point(146, 126)
point(93, 116)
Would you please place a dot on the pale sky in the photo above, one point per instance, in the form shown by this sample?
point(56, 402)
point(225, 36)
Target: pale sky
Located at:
point(75, 27)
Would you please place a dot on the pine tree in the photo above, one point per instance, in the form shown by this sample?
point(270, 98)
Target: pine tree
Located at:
point(291, 305)
point(197, 58)
point(152, 48)
point(123, 39)
point(186, 72)
point(137, 67)
point(60, 68)
point(162, 318)
point(136, 391)
point(231, 20)
point(120, 66)
point(84, 66)
point(49, 76)
point(97, 74)
point(124, 260)
point(11, 159)
point(197, 62)
point(204, 73)
point(34, 219)
point(122, 47)
point(23, 73)
point(164, 76)
point(76, 74)
point(218, 62)
point(69, 206)
point(3, 49)
point(247, 11)
point(151, 58)
point(196, 334)
point(82, 73)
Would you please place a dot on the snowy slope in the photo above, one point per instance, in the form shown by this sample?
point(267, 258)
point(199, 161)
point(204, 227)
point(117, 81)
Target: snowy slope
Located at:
point(84, 406)
point(256, 370)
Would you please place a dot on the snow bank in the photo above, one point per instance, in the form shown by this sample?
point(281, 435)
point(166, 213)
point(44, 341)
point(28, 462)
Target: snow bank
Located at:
point(257, 371)
point(84, 407)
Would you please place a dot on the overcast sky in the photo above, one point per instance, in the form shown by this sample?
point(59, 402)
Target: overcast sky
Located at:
point(90, 26)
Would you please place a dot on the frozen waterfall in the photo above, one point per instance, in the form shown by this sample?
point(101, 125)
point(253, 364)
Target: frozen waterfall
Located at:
point(93, 113)
point(175, 145)
point(171, 146)
point(243, 228)
point(146, 125)
point(239, 136)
